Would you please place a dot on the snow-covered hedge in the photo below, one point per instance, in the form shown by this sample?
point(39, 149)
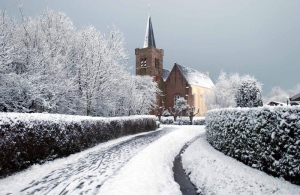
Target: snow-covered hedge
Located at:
point(26, 139)
point(266, 138)
point(183, 121)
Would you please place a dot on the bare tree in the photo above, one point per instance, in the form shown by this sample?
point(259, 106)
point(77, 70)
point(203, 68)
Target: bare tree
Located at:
point(192, 113)
point(159, 112)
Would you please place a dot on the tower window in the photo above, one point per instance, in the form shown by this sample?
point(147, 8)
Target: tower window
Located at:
point(156, 63)
point(143, 63)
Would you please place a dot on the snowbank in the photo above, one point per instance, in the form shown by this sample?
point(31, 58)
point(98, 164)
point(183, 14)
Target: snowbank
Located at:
point(265, 138)
point(215, 173)
point(150, 171)
point(26, 139)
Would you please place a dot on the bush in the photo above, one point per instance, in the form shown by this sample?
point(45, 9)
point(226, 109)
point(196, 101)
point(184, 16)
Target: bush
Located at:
point(182, 121)
point(248, 94)
point(26, 139)
point(266, 138)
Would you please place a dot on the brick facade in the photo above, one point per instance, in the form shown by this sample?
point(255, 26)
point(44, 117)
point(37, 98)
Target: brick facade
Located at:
point(149, 61)
point(176, 84)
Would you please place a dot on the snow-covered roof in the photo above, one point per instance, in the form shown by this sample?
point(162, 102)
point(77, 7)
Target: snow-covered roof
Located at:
point(295, 97)
point(276, 103)
point(195, 78)
point(165, 74)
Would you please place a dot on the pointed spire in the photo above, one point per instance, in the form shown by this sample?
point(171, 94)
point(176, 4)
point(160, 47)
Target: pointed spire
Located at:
point(149, 37)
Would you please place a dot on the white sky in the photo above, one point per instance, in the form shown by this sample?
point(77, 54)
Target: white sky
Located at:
point(260, 38)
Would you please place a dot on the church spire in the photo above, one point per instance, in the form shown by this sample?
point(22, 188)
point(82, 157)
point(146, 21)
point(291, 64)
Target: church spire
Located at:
point(149, 37)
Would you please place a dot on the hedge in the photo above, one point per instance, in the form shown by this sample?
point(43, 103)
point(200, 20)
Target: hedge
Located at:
point(183, 121)
point(265, 138)
point(27, 139)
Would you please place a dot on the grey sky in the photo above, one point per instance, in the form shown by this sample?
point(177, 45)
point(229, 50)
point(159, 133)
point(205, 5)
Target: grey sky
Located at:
point(260, 38)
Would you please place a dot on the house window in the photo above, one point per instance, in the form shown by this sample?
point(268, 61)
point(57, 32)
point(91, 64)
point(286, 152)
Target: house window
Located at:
point(176, 97)
point(143, 63)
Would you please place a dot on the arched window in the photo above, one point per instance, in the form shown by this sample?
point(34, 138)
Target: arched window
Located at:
point(176, 97)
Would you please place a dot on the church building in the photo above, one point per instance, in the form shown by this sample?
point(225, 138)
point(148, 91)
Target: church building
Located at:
point(180, 81)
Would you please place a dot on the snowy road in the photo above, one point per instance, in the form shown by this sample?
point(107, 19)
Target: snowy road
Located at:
point(82, 173)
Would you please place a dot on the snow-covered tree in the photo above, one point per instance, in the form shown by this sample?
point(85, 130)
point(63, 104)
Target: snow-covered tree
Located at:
point(181, 104)
point(46, 65)
point(5, 42)
point(248, 94)
point(226, 86)
point(278, 94)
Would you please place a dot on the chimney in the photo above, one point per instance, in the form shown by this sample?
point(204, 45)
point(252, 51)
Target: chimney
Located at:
point(207, 73)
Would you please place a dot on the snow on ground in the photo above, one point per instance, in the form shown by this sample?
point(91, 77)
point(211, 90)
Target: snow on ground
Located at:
point(150, 171)
point(142, 164)
point(215, 173)
point(83, 172)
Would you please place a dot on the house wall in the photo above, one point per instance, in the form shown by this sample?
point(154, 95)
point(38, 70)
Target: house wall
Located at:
point(177, 84)
point(197, 93)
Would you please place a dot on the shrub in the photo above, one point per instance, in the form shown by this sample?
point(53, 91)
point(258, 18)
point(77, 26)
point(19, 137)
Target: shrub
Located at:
point(26, 139)
point(182, 121)
point(265, 138)
point(248, 94)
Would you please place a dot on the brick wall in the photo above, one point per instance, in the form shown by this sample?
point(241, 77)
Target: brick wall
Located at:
point(176, 83)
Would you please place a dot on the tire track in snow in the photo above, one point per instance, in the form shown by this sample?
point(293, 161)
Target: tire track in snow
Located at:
point(88, 174)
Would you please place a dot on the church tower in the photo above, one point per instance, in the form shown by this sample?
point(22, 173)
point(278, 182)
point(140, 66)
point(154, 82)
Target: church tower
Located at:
point(149, 59)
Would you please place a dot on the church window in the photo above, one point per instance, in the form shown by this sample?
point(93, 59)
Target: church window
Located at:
point(156, 63)
point(143, 63)
point(176, 97)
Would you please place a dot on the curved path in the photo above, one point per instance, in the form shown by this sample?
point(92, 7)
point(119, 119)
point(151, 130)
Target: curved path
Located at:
point(82, 173)
point(150, 170)
point(186, 186)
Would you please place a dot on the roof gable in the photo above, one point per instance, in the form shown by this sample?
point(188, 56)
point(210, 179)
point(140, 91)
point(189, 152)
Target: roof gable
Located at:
point(165, 74)
point(194, 77)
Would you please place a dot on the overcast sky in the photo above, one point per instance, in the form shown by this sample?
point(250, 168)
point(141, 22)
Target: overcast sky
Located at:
point(259, 37)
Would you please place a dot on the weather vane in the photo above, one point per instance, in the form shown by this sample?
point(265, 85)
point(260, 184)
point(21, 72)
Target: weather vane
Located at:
point(149, 7)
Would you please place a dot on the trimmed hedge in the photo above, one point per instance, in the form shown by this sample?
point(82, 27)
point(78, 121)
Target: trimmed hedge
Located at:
point(27, 139)
point(184, 121)
point(265, 138)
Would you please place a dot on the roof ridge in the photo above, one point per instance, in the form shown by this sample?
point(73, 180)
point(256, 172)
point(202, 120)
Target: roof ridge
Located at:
point(195, 77)
point(192, 69)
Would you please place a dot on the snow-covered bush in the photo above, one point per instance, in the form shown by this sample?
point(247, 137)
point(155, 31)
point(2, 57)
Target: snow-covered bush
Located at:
point(166, 113)
point(26, 139)
point(248, 94)
point(199, 122)
point(182, 121)
point(167, 121)
point(265, 138)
